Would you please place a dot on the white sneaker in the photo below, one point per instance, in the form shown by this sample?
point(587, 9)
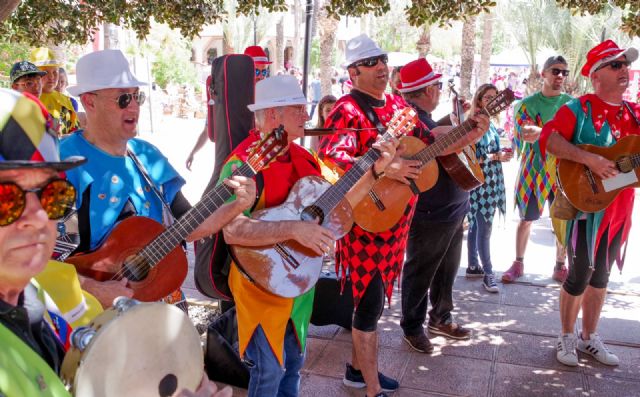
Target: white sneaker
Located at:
point(594, 347)
point(567, 354)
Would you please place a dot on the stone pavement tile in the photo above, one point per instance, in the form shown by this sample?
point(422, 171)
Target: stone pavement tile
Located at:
point(481, 317)
point(312, 385)
point(404, 392)
point(514, 380)
point(192, 293)
point(336, 354)
point(324, 332)
point(533, 296)
point(622, 302)
point(629, 367)
point(542, 321)
point(480, 346)
point(472, 290)
point(315, 347)
point(619, 326)
point(604, 386)
point(447, 374)
point(536, 351)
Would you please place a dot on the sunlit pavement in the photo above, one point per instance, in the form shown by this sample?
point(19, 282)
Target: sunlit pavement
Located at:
point(512, 351)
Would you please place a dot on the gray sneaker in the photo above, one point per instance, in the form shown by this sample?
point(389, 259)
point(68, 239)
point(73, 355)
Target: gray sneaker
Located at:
point(566, 346)
point(594, 347)
point(489, 283)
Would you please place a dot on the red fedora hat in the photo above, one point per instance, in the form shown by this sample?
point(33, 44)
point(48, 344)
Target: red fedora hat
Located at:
point(604, 52)
point(417, 74)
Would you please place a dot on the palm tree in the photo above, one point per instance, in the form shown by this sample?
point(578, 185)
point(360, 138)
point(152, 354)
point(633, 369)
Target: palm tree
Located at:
point(467, 55)
point(327, 28)
point(485, 48)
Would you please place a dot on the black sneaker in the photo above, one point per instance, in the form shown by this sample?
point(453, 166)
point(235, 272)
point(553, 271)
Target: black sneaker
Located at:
point(474, 272)
point(354, 378)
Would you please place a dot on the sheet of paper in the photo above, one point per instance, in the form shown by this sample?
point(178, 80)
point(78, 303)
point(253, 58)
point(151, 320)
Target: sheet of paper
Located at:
point(620, 180)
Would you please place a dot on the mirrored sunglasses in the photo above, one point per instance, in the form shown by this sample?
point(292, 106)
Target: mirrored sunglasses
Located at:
point(57, 198)
point(124, 100)
point(371, 62)
point(563, 72)
point(263, 72)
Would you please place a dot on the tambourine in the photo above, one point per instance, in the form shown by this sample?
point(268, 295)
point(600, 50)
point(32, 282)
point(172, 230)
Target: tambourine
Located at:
point(134, 349)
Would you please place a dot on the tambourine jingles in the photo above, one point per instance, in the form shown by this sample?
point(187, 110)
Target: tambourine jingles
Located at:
point(134, 349)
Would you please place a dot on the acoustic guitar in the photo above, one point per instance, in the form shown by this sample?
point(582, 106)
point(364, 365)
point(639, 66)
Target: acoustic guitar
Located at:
point(289, 269)
point(387, 200)
point(589, 193)
point(148, 255)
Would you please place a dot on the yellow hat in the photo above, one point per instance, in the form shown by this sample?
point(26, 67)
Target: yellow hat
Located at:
point(44, 56)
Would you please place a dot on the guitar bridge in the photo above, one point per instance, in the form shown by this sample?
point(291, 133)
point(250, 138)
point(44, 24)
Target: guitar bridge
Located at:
point(592, 181)
point(376, 200)
point(286, 256)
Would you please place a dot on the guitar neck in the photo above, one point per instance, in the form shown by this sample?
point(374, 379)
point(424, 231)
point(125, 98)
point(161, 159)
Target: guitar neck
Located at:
point(183, 227)
point(439, 145)
point(330, 199)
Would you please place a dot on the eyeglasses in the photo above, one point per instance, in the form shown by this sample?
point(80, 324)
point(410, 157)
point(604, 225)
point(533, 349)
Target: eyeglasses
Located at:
point(263, 72)
point(615, 65)
point(371, 62)
point(56, 197)
point(124, 100)
point(563, 72)
point(29, 84)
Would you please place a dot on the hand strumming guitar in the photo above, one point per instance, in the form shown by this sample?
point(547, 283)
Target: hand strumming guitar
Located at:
point(401, 169)
point(313, 236)
point(602, 167)
point(106, 291)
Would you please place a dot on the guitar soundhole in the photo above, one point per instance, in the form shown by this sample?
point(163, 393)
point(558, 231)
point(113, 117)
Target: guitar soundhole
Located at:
point(136, 268)
point(311, 213)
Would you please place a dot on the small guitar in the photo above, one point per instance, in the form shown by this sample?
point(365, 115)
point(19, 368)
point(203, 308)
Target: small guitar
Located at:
point(585, 190)
point(388, 199)
point(289, 269)
point(148, 255)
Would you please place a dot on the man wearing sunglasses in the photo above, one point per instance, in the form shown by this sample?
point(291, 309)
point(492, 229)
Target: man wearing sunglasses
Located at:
point(536, 181)
point(374, 260)
point(594, 240)
point(124, 175)
point(33, 195)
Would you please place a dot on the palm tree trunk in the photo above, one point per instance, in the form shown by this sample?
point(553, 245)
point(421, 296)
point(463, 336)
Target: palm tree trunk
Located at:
point(424, 42)
point(485, 51)
point(7, 7)
point(298, 22)
point(467, 54)
point(279, 58)
point(327, 27)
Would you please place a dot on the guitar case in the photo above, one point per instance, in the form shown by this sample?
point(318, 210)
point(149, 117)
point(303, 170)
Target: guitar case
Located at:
point(232, 90)
point(329, 305)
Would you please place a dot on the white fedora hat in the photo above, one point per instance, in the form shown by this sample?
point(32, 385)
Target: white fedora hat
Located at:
point(361, 47)
point(103, 69)
point(278, 91)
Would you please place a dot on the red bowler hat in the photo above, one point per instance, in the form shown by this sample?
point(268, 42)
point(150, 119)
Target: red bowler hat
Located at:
point(417, 74)
point(257, 53)
point(604, 52)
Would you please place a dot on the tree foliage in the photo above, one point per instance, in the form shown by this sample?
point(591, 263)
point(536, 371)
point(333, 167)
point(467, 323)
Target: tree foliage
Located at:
point(46, 21)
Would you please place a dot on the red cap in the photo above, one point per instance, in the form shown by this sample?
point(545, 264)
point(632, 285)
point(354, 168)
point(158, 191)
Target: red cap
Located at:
point(417, 74)
point(257, 53)
point(604, 52)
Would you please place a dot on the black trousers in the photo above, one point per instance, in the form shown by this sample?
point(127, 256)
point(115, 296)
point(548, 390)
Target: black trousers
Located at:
point(433, 259)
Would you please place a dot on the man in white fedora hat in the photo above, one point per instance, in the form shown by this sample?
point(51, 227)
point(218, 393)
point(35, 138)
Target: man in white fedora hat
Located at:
point(272, 330)
point(374, 260)
point(125, 175)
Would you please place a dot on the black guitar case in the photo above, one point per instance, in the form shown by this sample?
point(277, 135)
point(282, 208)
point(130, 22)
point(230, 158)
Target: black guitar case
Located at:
point(329, 305)
point(233, 78)
point(221, 359)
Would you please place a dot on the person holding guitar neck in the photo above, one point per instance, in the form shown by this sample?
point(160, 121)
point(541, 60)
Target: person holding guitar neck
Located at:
point(594, 240)
point(111, 186)
point(35, 194)
point(536, 182)
point(272, 329)
point(434, 247)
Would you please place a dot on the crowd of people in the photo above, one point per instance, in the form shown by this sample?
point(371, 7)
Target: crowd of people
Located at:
point(107, 175)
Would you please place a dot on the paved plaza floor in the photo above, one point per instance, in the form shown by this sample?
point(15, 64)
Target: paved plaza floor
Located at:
point(512, 351)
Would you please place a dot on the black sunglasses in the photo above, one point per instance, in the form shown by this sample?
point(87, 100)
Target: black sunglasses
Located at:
point(56, 197)
point(124, 100)
point(263, 72)
point(371, 62)
point(615, 65)
point(563, 72)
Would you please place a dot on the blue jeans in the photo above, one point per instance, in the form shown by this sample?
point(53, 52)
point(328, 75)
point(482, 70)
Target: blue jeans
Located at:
point(267, 377)
point(478, 242)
